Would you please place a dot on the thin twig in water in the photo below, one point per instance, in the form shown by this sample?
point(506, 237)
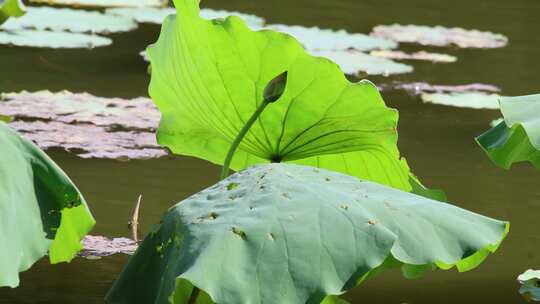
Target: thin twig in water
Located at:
point(134, 223)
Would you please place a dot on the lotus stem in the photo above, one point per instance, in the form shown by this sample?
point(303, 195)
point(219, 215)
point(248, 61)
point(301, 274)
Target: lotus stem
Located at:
point(194, 295)
point(239, 137)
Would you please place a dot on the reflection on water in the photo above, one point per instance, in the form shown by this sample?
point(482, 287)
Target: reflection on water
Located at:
point(437, 140)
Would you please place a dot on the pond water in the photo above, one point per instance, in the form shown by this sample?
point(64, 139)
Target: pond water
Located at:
point(438, 141)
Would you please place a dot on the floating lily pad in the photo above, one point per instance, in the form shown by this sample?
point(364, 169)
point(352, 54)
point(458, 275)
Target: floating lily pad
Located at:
point(103, 3)
point(67, 107)
point(89, 141)
point(294, 234)
point(157, 15)
point(421, 55)
point(423, 87)
point(314, 38)
point(530, 284)
point(74, 21)
point(353, 63)
point(474, 100)
point(440, 36)
point(90, 126)
point(55, 40)
point(100, 246)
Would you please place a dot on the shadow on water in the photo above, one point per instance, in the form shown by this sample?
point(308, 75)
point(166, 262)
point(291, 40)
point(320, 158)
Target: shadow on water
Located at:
point(437, 141)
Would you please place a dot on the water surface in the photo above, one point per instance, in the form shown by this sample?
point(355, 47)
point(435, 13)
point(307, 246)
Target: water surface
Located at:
point(437, 141)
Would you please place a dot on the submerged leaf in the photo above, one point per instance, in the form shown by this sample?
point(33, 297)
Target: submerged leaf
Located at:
point(11, 8)
point(41, 209)
point(440, 36)
point(305, 234)
point(517, 138)
point(207, 88)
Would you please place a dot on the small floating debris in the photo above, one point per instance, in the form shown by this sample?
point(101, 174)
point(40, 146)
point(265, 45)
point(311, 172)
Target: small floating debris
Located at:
point(355, 63)
point(69, 20)
point(314, 38)
point(473, 100)
point(89, 126)
point(530, 285)
point(440, 36)
point(54, 40)
point(157, 15)
point(95, 247)
point(103, 3)
point(421, 55)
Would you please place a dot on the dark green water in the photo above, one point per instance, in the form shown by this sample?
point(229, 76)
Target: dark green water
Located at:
point(437, 140)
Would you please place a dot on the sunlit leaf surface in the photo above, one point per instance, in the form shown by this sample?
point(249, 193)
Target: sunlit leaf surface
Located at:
point(11, 8)
point(208, 78)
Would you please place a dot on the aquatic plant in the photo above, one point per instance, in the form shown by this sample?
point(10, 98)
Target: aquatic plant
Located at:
point(42, 212)
point(517, 137)
point(331, 210)
point(11, 8)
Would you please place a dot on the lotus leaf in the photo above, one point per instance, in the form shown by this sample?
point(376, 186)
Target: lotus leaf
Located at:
point(41, 210)
point(284, 233)
point(473, 100)
point(517, 138)
point(440, 36)
point(207, 88)
point(71, 20)
point(530, 285)
point(55, 40)
point(103, 3)
point(157, 15)
point(11, 8)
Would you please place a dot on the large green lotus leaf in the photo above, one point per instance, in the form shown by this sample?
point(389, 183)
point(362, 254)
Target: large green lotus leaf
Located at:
point(209, 76)
point(41, 211)
point(284, 233)
point(11, 8)
point(517, 138)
